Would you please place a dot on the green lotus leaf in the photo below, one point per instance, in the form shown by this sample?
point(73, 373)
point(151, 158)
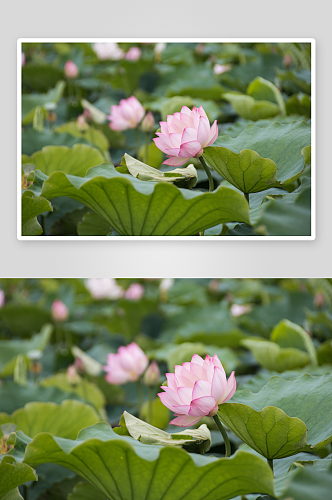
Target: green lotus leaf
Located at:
point(85, 491)
point(134, 207)
point(64, 420)
point(263, 90)
point(93, 225)
point(285, 417)
point(31, 101)
point(10, 349)
point(289, 334)
point(121, 467)
point(94, 136)
point(283, 143)
point(75, 161)
point(32, 206)
point(13, 494)
point(84, 389)
point(306, 483)
point(250, 109)
point(273, 357)
point(14, 474)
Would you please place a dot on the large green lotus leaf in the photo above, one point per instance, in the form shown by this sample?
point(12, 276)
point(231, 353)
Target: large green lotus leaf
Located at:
point(246, 170)
point(286, 219)
point(138, 208)
point(75, 161)
point(31, 101)
point(31, 207)
point(284, 416)
point(273, 357)
point(10, 349)
point(94, 136)
point(122, 468)
point(14, 474)
point(64, 420)
point(33, 141)
point(280, 142)
point(306, 483)
point(289, 334)
point(264, 90)
point(40, 77)
point(84, 389)
point(13, 494)
point(234, 129)
point(93, 225)
point(299, 104)
point(85, 491)
point(300, 79)
point(250, 109)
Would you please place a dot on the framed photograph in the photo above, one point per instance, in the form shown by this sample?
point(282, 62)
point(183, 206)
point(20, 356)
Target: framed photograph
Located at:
point(166, 138)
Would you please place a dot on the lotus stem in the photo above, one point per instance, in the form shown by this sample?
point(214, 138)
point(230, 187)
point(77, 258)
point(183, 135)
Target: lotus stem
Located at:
point(140, 397)
point(208, 173)
point(246, 195)
point(270, 462)
point(146, 155)
point(224, 435)
point(151, 390)
point(138, 139)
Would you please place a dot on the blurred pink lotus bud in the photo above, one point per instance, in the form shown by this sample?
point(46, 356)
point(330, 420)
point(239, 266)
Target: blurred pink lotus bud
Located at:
point(22, 59)
point(71, 70)
point(127, 114)
point(82, 124)
point(2, 298)
point(319, 300)
point(287, 60)
point(72, 375)
point(87, 115)
point(152, 374)
point(238, 310)
point(134, 292)
point(185, 134)
point(104, 288)
point(196, 389)
point(218, 69)
point(106, 51)
point(79, 365)
point(133, 54)
point(127, 365)
point(148, 123)
point(59, 311)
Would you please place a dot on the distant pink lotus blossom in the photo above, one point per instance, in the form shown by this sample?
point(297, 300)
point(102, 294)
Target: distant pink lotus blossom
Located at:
point(104, 288)
point(105, 51)
point(2, 298)
point(133, 54)
point(71, 70)
point(81, 123)
point(134, 292)
point(22, 59)
point(148, 123)
point(127, 114)
point(185, 134)
point(218, 69)
point(72, 375)
point(127, 365)
point(196, 389)
point(238, 310)
point(152, 374)
point(59, 311)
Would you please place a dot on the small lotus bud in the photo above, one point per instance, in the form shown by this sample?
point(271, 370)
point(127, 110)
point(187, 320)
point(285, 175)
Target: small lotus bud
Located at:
point(133, 54)
point(319, 300)
point(218, 69)
point(148, 123)
point(2, 298)
point(87, 115)
point(160, 47)
point(152, 374)
point(79, 365)
point(22, 59)
point(71, 70)
point(134, 292)
point(81, 123)
point(238, 310)
point(59, 311)
point(72, 375)
point(34, 354)
point(287, 60)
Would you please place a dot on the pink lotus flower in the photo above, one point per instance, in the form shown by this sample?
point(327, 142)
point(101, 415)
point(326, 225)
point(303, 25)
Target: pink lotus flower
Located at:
point(59, 311)
point(185, 134)
point(196, 389)
point(2, 298)
point(105, 51)
point(133, 54)
point(127, 365)
point(71, 70)
point(134, 292)
point(152, 374)
point(127, 114)
point(104, 288)
point(22, 59)
point(148, 123)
